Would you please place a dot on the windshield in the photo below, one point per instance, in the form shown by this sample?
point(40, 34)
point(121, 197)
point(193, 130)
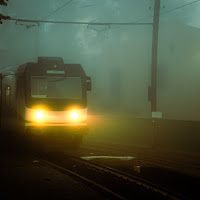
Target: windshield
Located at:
point(56, 87)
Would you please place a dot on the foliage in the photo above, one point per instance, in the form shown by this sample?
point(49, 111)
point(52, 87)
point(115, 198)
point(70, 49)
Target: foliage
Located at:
point(3, 3)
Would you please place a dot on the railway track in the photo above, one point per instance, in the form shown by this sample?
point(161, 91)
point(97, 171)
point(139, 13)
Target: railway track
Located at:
point(190, 166)
point(113, 183)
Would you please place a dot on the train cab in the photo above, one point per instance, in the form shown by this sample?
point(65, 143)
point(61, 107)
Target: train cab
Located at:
point(49, 94)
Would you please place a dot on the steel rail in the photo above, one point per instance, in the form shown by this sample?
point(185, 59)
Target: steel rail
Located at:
point(102, 189)
point(154, 160)
point(134, 179)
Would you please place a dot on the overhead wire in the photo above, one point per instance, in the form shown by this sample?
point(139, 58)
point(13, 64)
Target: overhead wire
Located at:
point(58, 9)
point(96, 23)
point(37, 24)
point(100, 23)
point(11, 66)
point(80, 23)
point(182, 6)
point(171, 10)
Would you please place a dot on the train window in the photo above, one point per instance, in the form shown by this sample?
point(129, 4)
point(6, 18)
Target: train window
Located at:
point(38, 87)
point(56, 87)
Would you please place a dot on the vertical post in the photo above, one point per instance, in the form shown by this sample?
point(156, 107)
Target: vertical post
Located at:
point(37, 42)
point(153, 88)
point(1, 91)
point(154, 56)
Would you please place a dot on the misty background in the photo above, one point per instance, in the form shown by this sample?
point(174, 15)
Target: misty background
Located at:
point(118, 58)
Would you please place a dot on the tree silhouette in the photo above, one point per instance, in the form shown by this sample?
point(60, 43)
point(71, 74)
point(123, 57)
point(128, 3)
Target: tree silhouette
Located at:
point(3, 3)
point(2, 17)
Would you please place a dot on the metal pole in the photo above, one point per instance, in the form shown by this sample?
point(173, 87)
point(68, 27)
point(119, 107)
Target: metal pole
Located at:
point(37, 42)
point(153, 87)
point(1, 90)
point(154, 56)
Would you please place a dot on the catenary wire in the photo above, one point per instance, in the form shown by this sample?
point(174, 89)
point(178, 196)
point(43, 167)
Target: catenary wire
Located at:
point(61, 7)
point(98, 23)
point(182, 6)
point(171, 10)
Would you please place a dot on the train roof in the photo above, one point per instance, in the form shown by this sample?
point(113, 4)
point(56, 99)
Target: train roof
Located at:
point(50, 60)
point(45, 64)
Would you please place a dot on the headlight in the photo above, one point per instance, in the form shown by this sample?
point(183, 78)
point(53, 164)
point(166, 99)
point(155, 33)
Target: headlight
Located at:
point(39, 115)
point(74, 115)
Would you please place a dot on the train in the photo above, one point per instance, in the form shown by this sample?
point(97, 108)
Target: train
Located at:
point(46, 97)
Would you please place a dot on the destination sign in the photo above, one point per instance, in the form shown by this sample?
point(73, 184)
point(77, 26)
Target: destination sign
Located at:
point(55, 72)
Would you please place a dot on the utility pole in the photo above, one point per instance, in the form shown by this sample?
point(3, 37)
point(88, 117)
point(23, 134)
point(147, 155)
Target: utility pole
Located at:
point(37, 42)
point(153, 88)
point(1, 98)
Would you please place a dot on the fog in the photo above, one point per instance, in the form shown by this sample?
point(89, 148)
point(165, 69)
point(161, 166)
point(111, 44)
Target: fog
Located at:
point(117, 57)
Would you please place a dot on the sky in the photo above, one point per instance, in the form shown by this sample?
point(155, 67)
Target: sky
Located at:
point(102, 10)
point(110, 52)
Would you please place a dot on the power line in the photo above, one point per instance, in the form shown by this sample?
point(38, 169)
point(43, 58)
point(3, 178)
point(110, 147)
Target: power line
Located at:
point(80, 23)
point(98, 23)
point(193, 2)
point(57, 10)
point(171, 10)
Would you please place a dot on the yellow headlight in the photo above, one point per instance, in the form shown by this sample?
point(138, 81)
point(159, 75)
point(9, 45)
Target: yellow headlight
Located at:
point(39, 115)
point(74, 115)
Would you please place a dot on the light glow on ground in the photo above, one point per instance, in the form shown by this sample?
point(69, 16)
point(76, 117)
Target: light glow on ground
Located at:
point(108, 157)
